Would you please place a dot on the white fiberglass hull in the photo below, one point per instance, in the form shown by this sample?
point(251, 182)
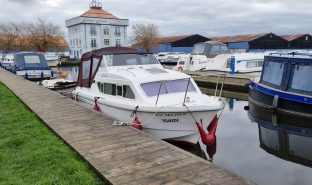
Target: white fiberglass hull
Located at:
point(176, 126)
point(53, 63)
point(34, 74)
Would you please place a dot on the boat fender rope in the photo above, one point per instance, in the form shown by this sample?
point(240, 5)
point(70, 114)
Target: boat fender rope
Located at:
point(96, 106)
point(210, 137)
point(134, 112)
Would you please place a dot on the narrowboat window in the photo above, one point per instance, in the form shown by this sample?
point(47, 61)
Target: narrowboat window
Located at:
point(167, 87)
point(273, 73)
point(127, 92)
point(86, 69)
point(119, 90)
point(302, 78)
point(110, 89)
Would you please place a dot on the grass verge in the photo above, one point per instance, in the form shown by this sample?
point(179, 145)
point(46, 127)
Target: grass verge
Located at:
point(31, 154)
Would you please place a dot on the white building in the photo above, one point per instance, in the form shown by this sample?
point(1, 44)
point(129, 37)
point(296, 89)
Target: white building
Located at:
point(95, 29)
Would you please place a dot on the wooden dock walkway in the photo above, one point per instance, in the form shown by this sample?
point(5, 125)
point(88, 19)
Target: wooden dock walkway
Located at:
point(233, 82)
point(121, 155)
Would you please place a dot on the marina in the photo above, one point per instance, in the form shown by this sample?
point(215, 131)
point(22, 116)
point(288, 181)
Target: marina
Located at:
point(148, 160)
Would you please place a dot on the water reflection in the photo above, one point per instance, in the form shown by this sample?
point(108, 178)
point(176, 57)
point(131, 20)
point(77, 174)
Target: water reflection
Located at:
point(72, 72)
point(289, 141)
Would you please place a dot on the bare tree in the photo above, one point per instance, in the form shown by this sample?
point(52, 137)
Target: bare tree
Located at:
point(44, 36)
point(9, 33)
point(146, 36)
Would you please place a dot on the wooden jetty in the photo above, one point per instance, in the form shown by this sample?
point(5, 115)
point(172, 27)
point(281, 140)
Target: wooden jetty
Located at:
point(121, 155)
point(232, 82)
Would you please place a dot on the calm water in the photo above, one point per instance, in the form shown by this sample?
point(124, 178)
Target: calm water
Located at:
point(238, 147)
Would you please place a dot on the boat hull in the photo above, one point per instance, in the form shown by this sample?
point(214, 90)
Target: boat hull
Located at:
point(287, 103)
point(34, 74)
point(176, 126)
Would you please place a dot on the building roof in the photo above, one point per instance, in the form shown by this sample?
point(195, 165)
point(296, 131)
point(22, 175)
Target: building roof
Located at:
point(164, 40)
point(98, 12)
point(239, 38)
point(292, 37)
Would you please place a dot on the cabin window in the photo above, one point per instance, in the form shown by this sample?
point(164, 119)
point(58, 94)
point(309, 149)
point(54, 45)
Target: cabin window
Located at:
point(86, 69)
point(215, 50)
point(199, 49)
point(224, 50)
point(254, 63)
point(110, 89)
point(127, 92)
point(302, 76)
point(119, 90)
point(167, 87)
point(32, 59)
point(130, 59)
point(273, 73)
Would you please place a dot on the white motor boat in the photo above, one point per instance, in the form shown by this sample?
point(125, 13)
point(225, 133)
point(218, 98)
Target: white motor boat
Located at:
point(215, 56)
point(53, 60)
point(8, 62)
point(132, 87)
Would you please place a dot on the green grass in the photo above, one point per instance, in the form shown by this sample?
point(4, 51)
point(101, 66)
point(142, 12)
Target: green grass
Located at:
point(32, 154)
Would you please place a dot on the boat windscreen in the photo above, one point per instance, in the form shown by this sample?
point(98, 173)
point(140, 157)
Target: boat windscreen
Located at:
point(199, 49)
point(167, 87)
point(130, 59)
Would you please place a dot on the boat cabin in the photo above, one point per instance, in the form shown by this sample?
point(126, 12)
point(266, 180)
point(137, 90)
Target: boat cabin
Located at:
point(288, 72)
point(210, 49)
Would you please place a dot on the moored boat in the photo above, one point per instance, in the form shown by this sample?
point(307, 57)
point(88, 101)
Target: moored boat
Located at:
point(132, 87)
point(32, 66)
point(53, 59)
point(285, 84)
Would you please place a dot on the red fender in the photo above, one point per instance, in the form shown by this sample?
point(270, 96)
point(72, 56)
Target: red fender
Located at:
point(96, 107)
point(210, 138)
point(136, 124)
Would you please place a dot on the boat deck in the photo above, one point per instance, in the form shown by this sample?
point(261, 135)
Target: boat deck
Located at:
point(121, 155)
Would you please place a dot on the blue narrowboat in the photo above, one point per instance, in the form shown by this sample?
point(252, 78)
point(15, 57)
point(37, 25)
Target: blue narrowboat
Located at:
point(285, 84)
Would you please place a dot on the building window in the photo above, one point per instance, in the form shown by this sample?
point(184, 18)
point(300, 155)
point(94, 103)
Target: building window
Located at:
point(117, 31)
point(106, 42)
point(80, 42)
point(118, 42)
point(106, 31)
point(93, 43)
point(93, 30)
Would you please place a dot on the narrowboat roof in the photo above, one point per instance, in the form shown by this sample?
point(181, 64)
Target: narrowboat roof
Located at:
point(298, 57)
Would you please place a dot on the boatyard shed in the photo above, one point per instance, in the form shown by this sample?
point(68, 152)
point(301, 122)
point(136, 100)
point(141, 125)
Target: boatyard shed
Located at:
point(299, 41)
point(252, 42)
point(181, 43)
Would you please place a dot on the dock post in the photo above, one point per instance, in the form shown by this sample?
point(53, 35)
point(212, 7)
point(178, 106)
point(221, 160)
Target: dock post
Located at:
point(232, 64)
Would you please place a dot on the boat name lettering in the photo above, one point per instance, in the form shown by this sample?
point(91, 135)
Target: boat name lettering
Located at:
point(170, 120)
point(170, 114)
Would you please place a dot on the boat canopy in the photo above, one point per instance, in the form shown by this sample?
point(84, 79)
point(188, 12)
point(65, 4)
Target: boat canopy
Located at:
point(90, 63)
point(210, 48)
point(30, 61)
point(288, 72)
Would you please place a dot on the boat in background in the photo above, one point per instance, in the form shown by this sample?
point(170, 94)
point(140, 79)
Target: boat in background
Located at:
point(32, 66)
point(215, 56)
point(133, 88)
point(52, 58)
point(285, 85)
point(7, 61)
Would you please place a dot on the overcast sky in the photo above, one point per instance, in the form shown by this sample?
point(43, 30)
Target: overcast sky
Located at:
point(176, 17)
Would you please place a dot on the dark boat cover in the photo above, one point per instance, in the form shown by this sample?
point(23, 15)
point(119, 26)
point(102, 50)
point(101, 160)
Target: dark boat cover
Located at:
point(91, 61)
point(30, 61)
